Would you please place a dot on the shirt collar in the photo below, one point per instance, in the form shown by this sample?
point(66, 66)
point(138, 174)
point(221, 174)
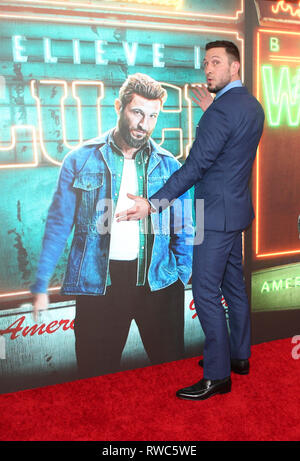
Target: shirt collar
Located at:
point(234, 84)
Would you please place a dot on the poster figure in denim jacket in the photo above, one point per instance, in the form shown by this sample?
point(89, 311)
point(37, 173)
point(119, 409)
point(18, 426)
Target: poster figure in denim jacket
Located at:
point(120, 271)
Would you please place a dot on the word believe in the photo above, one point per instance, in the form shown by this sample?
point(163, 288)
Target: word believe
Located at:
point(100, 52)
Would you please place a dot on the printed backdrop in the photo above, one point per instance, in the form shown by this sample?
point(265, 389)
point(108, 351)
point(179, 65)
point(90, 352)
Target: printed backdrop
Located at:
point(61, 67)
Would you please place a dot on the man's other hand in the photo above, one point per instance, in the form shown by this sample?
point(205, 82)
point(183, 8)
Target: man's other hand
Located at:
point(203, 98)
point(140, 210)
point(40, 302)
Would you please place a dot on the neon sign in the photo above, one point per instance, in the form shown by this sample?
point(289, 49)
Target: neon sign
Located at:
point(271, 11)
point(278, 89)
point(38, 136)
point(283, 99)
point(101, 54)
point(236, 10)
point(276, 288)
point(14, 129)
point(281, 6)
point(281, 284)
point(74, 86)
point(174, 3)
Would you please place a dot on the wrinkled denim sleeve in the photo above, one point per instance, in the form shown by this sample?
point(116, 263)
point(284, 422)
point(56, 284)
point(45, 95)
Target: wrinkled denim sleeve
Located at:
point(59, 224)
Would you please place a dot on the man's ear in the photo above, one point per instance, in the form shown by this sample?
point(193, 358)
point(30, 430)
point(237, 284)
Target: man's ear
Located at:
point(118, 106)
point(235, 68)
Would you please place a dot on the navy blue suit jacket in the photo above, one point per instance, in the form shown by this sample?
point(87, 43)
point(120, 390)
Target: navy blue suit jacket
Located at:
point(220, 161)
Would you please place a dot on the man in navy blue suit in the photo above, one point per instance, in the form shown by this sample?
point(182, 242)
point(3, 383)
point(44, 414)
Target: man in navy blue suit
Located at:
point(219, 166)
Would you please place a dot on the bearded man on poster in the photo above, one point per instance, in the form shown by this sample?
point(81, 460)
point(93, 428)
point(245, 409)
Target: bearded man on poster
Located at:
point(120, 271)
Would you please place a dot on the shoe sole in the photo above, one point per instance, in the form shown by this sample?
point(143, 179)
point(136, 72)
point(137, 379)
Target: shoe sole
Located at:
point(246, 372)
point(205, 397)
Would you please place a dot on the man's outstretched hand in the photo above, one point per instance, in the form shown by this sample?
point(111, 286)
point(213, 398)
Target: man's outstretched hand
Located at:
point(202, 98)
point(140, 210)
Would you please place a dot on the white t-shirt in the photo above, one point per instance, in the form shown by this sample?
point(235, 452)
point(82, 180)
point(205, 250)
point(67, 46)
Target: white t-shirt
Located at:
point(124, 241)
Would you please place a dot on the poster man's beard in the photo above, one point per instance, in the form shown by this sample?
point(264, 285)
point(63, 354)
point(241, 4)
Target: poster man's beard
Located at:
point(130, 141)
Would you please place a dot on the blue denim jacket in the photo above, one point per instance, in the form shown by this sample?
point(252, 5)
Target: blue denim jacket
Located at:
point(88, 178)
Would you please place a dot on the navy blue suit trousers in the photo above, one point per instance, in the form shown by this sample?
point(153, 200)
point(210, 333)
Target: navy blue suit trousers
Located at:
point(219, 167)
point(217, 271)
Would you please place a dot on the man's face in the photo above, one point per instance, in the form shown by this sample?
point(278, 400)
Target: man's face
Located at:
point(218, 70)
point(138, 119)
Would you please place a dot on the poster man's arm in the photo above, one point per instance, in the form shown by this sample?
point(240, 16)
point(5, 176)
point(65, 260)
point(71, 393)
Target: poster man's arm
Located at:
point(58, 227)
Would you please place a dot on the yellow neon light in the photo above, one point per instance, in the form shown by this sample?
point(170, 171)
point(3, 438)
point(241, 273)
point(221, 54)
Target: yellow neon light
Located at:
point(21, 293)
point(180, 138)
point(101, 22)
point(257, 154)
point(176, 3)
point(79, 105)
point(62, 110)
point(39, 113)
point(63, 83)
point(284, 58)
point(173, 111)
point(281, 6)
point(95, 6)
point(257, 218)
point(190, 117)
point(279, 253)
point(257, 191)
point(274, 31)
point(179, 90)
point(75, 84)
point(14, 128)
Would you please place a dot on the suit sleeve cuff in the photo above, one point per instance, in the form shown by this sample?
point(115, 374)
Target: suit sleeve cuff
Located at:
point(152, 207)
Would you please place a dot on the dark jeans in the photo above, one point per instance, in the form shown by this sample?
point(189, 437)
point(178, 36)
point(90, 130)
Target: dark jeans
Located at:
point(102, 323)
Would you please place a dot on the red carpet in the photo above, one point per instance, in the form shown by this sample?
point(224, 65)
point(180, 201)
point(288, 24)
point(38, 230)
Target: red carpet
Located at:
point(140, 405)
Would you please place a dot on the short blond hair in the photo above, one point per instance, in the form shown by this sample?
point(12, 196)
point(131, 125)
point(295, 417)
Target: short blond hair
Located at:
point(144, 86)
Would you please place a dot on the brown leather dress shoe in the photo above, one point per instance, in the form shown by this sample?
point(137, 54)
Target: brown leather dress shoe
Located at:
point(204, 389)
